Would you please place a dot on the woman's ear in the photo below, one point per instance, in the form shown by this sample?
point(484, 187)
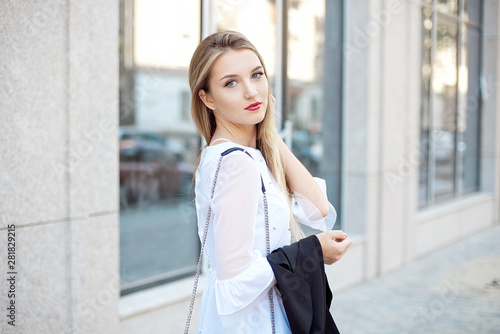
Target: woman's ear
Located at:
point(206, 98)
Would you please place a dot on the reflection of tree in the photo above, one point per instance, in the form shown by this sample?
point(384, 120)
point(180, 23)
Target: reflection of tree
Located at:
point(426, 94)
point(453, 86)
point(449, 107)
point(444, 85)
point(445, 79)
point(448, 6)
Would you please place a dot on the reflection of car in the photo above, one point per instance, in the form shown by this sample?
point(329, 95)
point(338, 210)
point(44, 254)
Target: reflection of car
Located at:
point(149, 170)
point(308, 150)
point(445, 146)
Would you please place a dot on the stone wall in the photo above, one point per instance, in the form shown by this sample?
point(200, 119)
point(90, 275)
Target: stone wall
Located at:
point(59, 165)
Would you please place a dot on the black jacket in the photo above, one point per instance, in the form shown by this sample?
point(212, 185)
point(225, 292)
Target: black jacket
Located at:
point(300, 275)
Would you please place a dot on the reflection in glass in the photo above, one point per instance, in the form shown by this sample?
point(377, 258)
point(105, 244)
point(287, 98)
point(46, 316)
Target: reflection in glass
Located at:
point(450, 119)
point(425, 112)
point(314, 92)
point(448, 6)
point(444, 85)
point(159, 147)
point(256, 20)
point(472, 9)
point(469, 125)
point(305, 80)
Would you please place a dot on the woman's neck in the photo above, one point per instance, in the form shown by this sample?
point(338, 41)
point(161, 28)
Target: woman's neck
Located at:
point(243, 135)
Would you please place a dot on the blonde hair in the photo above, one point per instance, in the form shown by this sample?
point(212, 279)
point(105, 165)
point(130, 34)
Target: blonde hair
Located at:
point(200, 70)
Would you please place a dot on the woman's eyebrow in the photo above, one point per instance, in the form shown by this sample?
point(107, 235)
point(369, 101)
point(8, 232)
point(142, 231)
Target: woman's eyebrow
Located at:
point(235, 75)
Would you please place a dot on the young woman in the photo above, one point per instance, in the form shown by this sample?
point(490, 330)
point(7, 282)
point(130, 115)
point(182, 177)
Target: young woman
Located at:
point(232, 106)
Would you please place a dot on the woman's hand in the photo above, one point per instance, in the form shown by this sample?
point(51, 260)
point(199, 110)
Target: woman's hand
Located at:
point(334, 244)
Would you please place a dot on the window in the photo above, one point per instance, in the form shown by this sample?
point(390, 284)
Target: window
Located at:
point(292, 41)
point(256, 20)
point(158, 142)
point(305, 79)
point(314, 89)
point(450, 100)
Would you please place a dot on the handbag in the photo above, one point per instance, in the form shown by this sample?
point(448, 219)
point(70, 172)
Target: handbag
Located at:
point(205, 232)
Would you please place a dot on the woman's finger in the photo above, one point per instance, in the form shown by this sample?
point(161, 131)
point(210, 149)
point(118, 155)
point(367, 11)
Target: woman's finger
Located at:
point(337, 235)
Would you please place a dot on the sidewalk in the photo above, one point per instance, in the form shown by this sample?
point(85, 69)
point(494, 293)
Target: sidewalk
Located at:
point(453, 290)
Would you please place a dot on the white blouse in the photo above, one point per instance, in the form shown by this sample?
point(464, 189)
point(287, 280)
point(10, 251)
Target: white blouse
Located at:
point(235, 296)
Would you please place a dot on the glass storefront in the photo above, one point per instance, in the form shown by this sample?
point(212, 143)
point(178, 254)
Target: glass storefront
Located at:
point(469, 125)
point(298, 39)
point(425, 107)
point(444, 84)
point(450, 116)
point(448, 6)
point(313, 95)
point(305, 75)
point(257, 21)
point(158, 142)
point(158, 145)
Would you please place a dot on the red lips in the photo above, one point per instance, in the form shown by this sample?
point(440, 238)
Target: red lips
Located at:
point(254, 106)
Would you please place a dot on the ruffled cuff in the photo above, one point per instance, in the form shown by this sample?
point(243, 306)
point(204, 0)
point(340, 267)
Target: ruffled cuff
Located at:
point(330, 219)
point(234, 294)
point(307, 213)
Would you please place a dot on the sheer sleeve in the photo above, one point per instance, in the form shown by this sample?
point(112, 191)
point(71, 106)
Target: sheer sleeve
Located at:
point(243, 273)
point(307, 213)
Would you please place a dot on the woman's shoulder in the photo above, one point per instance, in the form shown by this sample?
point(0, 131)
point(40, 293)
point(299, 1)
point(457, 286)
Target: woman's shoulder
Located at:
point(245, 159)
point(213, 152)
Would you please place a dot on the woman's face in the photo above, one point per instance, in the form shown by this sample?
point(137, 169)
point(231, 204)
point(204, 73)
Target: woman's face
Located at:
point(238, 88)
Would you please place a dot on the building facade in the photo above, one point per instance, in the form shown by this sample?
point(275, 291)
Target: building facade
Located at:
point(395, 103)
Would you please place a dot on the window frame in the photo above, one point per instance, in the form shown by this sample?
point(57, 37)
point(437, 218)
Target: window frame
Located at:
point(462, 25)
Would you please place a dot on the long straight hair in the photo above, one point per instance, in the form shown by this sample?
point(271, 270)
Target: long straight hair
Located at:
point(200, 70)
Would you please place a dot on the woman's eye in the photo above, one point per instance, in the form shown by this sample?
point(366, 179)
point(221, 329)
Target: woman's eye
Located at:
point(257, 75)
point(230, 83)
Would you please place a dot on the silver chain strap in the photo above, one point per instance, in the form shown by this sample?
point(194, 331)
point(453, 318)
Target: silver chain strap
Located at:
point(205, 232)
point(268, 251)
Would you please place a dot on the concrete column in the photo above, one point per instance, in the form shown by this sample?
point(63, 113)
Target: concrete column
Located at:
point(362, 52)
point(408, 166)
point(383, 117)
point(59, 164)
point(490, 123)
point(397, 128)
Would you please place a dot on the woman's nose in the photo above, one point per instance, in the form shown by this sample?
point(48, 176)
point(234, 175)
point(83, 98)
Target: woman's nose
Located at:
point(250, 91)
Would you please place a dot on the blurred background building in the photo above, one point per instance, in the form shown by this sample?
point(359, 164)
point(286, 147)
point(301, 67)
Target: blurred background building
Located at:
point(395, 103)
